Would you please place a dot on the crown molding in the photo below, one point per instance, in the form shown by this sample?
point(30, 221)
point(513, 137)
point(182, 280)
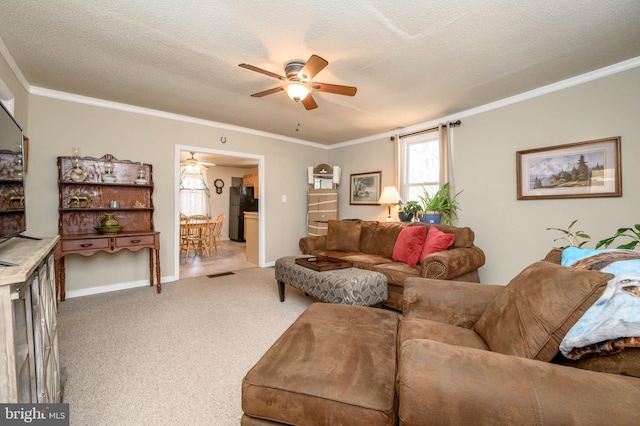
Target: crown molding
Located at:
point(70, 97)
point(541, 91)
point(13, 66)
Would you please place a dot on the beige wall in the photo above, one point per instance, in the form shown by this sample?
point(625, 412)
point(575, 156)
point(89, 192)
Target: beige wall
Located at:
point(513, 233)
point(56, 126)
point(363, 158)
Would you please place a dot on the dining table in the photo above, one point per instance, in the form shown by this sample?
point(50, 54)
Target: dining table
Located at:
point(210, 226)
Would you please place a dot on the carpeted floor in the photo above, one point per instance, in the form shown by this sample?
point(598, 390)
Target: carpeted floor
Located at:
point(134, 357)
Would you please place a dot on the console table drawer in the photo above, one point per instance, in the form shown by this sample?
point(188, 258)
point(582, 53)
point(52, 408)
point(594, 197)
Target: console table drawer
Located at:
point(86, 244)
point(132, 241)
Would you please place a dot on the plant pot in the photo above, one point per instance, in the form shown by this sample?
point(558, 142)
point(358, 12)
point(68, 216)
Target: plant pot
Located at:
point(429, 217)
point(405, 217)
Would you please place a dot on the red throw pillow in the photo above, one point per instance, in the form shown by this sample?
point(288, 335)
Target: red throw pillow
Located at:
point(409, 245)
point(436, 241)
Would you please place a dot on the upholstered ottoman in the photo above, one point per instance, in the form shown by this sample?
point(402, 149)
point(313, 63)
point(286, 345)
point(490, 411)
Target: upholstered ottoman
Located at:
point(335, 365)
point(350, 286)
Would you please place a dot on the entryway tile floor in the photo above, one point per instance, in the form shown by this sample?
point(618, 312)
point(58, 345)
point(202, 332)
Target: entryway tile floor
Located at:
point(231, 258)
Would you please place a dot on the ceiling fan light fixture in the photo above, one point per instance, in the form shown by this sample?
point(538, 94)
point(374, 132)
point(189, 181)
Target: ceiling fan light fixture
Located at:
point(297, 90)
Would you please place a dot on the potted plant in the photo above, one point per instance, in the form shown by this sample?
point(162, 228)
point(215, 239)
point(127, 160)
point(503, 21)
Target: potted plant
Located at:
point(633, 233)
point(440, 207)
point(572, 237)
point(408, 210)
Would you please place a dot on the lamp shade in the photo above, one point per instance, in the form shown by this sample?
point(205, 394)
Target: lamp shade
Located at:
point(389, 195)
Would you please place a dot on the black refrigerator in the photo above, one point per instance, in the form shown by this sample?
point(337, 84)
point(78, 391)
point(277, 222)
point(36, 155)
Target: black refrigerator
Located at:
point(241, 201)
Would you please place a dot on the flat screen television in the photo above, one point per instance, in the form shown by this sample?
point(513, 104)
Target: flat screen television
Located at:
point(12, 200)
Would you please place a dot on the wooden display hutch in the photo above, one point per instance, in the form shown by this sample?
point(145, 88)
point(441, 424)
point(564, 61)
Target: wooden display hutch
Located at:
point(85, 199)
point(11, 190)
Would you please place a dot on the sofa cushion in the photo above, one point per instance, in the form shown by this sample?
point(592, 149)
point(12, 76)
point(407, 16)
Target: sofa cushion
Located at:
point(420, 328)
point(537, 308)
point(384, 239)
point(436, 241)
point(409, 245)
point(363, 260)
point(396, 272)
point(367, 232)
point(343, 235)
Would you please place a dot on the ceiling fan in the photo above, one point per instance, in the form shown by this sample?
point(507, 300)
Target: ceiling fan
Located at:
point(193, 162)
point(298, 84)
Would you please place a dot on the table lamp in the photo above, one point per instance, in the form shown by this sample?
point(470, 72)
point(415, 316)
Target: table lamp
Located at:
point(389, 196)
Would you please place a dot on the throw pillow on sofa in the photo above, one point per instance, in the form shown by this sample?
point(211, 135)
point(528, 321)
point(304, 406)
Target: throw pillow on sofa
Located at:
point(409, 245)
point(343, 235)
point(436, 241)
point(537, 308)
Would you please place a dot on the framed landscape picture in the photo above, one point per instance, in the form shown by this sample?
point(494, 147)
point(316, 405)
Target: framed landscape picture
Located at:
point(365, 189)
point(576, 170)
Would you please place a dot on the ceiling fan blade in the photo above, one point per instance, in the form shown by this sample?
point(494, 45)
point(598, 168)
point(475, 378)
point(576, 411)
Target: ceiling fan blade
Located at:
point(309, 102)
point(261, 71)
point(314, 65)
point(268, 92)
point(334, 88)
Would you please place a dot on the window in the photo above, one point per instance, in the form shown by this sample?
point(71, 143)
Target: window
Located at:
point(194, 193)
point(421, 165)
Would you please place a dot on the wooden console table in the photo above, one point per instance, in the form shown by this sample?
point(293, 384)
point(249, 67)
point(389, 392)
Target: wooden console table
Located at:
point(90, 244)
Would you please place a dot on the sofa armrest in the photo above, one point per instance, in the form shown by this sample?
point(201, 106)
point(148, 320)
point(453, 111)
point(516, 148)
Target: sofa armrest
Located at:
point(446, 384)
point(449, 264)
point(452, 302)
point(310, 244)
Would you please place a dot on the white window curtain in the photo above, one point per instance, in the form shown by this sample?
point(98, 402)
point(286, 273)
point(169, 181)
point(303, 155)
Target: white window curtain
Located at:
point(194, 192)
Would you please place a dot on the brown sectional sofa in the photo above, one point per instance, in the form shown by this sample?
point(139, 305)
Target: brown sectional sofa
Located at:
point(369, 245)
point(465, 353)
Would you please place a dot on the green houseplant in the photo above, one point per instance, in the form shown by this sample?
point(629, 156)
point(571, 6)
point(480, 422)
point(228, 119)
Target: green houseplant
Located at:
point(571, 236)
point(633, 233)
point(408, 210)
point(441, 203)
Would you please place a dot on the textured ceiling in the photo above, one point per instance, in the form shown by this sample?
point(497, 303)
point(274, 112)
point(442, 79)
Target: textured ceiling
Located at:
point(412, 61)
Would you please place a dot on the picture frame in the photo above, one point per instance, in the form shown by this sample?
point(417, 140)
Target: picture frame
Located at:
point(575, 170)
point(364, 189)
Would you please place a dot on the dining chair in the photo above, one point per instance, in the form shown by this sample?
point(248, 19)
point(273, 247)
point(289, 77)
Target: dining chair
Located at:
point(196, 236)
point(217, 232)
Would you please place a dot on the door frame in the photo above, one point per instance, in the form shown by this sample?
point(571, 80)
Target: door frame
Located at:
point(176, 185)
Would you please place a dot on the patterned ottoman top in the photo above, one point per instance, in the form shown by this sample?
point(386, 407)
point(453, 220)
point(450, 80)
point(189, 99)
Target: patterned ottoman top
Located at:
point(351, 286)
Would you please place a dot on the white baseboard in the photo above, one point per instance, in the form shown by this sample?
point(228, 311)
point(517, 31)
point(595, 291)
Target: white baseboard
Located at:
point(113, 287)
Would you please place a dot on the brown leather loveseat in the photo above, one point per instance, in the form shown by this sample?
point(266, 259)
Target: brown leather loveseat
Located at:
point(369, 245)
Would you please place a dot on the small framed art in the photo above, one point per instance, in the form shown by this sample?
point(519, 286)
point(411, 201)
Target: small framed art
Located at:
point(365, 189)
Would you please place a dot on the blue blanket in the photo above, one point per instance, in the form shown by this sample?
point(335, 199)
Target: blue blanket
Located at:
point(616, 314)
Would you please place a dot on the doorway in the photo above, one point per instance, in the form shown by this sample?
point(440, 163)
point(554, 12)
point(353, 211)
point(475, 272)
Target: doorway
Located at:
point(221, 168)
